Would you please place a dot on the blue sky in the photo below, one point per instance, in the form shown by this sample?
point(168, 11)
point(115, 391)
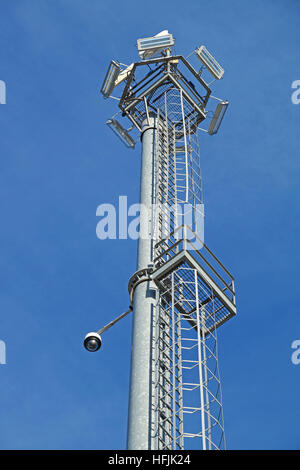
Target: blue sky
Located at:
point(58, 162)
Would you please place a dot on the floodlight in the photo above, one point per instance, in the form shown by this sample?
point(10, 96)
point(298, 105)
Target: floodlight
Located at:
point(121, 132)
point(217, 117)
point(147, 47)
point(210, 62)
point(110, 79)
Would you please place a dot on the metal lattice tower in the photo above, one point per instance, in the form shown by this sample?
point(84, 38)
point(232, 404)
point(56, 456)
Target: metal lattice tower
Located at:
point(181, 293)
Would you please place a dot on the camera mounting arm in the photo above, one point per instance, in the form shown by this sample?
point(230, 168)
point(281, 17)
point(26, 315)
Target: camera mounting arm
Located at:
point(109, 325)
point(92, 341)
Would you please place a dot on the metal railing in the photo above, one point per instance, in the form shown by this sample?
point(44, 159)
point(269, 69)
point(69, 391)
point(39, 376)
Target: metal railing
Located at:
point(184, 239)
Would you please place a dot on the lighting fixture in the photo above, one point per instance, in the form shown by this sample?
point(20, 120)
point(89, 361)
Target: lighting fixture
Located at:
point(147, 47)
point(217, 117)
point(210, 62)
point(110, 79)
point(121, 132)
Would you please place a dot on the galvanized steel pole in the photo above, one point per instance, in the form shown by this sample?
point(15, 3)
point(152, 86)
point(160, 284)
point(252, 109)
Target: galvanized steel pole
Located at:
point(139, 434)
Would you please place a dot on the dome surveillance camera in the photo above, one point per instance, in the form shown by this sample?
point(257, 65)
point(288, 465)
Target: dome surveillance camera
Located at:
point(92, 342)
